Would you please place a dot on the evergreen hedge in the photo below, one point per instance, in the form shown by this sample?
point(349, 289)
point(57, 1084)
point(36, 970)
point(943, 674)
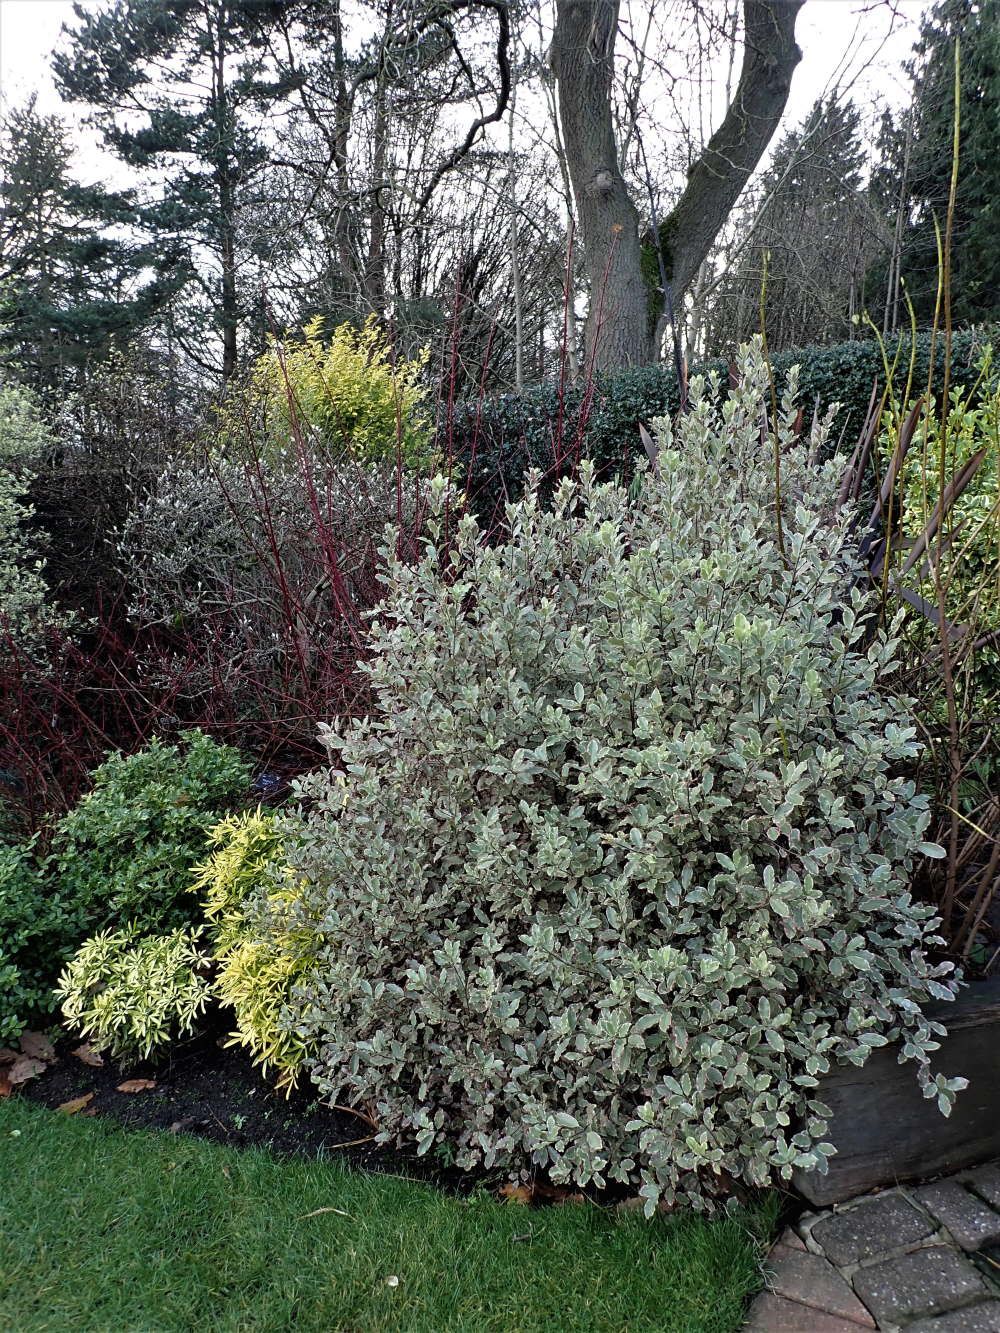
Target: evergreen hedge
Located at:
point(497, 440)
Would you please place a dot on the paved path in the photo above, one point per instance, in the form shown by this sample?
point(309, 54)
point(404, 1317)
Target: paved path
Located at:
point(923, 1258)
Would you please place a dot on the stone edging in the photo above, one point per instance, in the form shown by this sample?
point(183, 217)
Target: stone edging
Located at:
point(924, 1259)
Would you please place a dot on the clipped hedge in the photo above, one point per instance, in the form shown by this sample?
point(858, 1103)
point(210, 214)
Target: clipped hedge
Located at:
point(496, 441)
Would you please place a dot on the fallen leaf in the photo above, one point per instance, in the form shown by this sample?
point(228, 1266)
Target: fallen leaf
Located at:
point(77, 1104)
point(38, 1046)
point(179, 1125)
point(516, 1194)
point(91, 1110)
point(225, 1172)
point(25, 1067)
point(7, 1056)
point(5, 1085)
point(392, 1280)
point(89, 1056)
point(136, 1085)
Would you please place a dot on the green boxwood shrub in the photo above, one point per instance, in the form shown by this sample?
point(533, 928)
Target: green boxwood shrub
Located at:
point(619, 868)
point(498, 440)
point(126, 853)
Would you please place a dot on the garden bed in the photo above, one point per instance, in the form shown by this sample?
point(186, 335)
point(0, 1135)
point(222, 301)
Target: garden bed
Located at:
point(213, 1091)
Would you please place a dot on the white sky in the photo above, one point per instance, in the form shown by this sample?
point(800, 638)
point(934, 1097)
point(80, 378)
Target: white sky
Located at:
point(837, 37)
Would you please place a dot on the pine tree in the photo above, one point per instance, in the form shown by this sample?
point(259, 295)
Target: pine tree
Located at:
point(72, 282)
point(181, 89)
point(813, 220)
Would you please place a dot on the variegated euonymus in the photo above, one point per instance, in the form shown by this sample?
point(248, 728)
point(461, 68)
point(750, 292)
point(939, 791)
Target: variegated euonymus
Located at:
point(620, 867)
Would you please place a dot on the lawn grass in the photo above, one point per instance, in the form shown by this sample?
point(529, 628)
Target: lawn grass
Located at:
point(104, 1229)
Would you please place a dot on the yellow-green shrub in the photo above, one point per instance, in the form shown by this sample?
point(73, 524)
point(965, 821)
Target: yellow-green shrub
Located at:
point(347, 389)
point(249, 893)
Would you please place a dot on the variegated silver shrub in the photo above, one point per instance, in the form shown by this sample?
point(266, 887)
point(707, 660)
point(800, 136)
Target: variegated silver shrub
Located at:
point(619, 869)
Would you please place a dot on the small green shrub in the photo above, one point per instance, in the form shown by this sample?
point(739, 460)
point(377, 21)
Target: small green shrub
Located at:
point(622, 865)
point(126, 853)
point(249, 891)
point(346, 388)
point(131, 995)
point(37, 933)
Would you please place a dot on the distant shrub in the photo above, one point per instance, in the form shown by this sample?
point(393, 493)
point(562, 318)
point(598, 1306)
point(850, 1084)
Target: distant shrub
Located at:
point(966, 560)
point(618, 867)
point(124, 856)
point(347, 391)
point(260, 544)
point(132, 995)
point(249, 893)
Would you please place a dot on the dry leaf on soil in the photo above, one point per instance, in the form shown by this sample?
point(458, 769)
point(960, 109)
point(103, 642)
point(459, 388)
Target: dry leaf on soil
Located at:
point(7, 1056)
point(136, 1085)
point(77, 1104)
point(25, 1067)
point(5, 1085)
point(88, 1055)
point(38, 1046)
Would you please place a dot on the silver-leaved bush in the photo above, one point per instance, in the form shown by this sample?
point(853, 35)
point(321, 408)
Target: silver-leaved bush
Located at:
point(619, 868)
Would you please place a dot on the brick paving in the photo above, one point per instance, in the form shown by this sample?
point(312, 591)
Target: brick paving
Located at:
point(924, 1259)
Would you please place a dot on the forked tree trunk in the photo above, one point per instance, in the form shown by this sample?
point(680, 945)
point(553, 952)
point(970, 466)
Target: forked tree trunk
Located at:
point(619, 324)
point(583, 57)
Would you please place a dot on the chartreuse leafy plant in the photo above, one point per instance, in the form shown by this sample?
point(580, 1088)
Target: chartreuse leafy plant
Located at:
point(249, 891)
point(348, 388)
point(132, 994)
point(622, 864)
point(124, 855)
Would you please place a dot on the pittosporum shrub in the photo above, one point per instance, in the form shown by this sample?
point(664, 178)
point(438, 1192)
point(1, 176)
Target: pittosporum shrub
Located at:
point(125, 855)
point(132, 995)
point(619, 867)
point(348, 392)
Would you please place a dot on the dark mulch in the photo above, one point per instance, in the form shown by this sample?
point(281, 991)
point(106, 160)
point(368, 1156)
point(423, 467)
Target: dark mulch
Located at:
point(213, 1091)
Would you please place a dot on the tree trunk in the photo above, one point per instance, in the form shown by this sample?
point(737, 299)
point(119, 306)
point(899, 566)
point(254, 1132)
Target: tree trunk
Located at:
point(583, 57)
point(623, 307)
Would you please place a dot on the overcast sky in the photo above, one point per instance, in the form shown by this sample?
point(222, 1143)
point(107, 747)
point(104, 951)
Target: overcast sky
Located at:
point(838, 38)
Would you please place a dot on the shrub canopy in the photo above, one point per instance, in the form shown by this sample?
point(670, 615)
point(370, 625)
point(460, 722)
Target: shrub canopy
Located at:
point(619, 868)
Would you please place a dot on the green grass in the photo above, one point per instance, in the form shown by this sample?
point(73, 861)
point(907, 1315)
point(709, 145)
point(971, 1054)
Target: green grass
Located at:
point(104, 1229)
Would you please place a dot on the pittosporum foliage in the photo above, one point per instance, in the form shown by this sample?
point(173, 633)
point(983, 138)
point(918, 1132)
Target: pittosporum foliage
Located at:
point(618, 869)
point(347, 393)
